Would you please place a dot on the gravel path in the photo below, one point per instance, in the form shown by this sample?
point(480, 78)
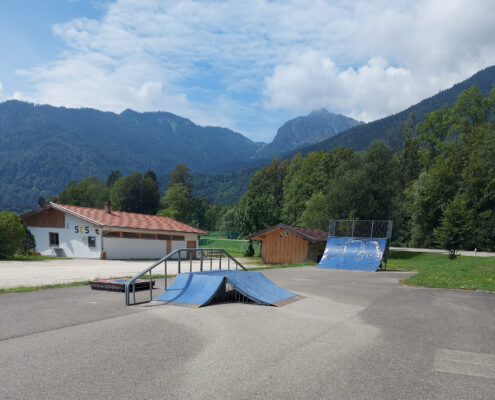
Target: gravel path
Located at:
point(36, 273)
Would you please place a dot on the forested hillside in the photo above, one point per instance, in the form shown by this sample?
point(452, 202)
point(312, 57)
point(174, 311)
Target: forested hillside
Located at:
point(224, 188)
point(389, 129)
point(42, 148)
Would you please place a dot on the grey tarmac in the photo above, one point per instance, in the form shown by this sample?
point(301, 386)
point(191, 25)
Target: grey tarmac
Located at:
point(355, 335)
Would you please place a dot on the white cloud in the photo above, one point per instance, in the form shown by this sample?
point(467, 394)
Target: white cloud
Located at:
point(402, 54)
point(229, 62)
point(311, 80)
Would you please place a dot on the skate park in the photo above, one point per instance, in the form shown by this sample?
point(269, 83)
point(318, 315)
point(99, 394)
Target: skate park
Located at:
point(351, 334)
point(352, 245)
point(354, 335)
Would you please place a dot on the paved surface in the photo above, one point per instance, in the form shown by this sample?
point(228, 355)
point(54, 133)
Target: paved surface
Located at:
point(36, 273)
point(355, 335)
point(438, 251)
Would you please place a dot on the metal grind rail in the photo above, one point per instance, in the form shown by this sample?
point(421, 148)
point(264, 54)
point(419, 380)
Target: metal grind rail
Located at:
point(209, 260)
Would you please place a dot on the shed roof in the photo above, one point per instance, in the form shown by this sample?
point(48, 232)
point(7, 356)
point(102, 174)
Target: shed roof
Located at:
point(121, 219)
point(313, 235)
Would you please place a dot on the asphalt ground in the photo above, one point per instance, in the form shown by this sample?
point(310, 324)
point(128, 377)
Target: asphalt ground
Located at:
point(355, 335)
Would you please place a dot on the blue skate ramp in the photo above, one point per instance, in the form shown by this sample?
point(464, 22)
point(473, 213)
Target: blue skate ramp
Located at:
point(197, 289)
point(192, 289)
point(363, 254)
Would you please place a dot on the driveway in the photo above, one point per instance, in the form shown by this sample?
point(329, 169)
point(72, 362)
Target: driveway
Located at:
point(36, 273)
point(355, 335)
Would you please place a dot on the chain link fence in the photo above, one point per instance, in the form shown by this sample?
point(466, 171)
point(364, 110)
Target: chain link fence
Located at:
point(360, 228)
point(233, 246)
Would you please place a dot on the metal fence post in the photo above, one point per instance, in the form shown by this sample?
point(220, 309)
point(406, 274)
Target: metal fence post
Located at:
point(165, 274)
point(180, 251)
point(151, 287)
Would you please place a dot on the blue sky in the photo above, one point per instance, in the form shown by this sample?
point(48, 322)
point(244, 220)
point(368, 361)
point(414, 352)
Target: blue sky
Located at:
point(248, 65)
point(28, 39)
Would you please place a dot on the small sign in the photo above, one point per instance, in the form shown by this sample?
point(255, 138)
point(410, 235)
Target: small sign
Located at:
point(81, 229)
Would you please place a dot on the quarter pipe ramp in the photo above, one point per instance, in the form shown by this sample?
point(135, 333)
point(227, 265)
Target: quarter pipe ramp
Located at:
point(364, 254)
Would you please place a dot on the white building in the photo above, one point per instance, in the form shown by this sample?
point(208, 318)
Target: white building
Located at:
point(82, 232)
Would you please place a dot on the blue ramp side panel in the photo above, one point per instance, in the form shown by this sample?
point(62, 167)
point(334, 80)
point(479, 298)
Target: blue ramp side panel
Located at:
point(260, 289)
point(364, 254)
point(192, 289)
point(198, 288)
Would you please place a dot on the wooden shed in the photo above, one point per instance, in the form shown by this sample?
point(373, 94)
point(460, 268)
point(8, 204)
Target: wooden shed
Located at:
point(285, 244)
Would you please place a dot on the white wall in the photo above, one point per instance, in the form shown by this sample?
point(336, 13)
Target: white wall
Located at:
point(122, 248)
point(73, 244)
point(118, 248)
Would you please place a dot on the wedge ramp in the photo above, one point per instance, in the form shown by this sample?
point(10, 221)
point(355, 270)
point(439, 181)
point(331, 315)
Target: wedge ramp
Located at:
point(198, 289)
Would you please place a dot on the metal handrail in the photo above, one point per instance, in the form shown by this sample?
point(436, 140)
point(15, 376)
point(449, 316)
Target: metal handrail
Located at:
point(209, 252)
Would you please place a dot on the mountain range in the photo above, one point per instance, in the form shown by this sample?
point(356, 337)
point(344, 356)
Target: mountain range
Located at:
point(43, 148)
point(303, 131)
point(389, 128)
point(358, 137)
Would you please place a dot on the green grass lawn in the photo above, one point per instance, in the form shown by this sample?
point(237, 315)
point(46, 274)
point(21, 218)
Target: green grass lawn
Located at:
point(235, 248)
point(21, 289)
point(438, 270)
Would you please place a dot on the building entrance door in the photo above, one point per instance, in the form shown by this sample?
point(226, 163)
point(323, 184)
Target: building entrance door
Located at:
point(191, 244)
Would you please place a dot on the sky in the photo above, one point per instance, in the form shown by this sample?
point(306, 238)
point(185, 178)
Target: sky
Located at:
point(246, 65)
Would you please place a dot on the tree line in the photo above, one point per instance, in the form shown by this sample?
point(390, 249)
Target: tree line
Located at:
point(439, 189)
point(140, 193)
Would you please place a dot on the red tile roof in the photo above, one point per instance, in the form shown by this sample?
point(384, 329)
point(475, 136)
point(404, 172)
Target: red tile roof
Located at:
point(122, 219)
point(316, 234)
point(311, 234)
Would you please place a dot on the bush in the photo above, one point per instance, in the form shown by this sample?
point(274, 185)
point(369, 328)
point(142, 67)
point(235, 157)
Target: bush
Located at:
point(250, 250)
point(12, 234)
point(29, 244)
point(455, 226)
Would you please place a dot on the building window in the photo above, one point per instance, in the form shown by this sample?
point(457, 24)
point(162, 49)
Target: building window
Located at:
point(163, 237)
point(111, 234)
point(91, 241)
point(147, 236)
point(178, 238)
point(130, 235)
point(53, 239)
